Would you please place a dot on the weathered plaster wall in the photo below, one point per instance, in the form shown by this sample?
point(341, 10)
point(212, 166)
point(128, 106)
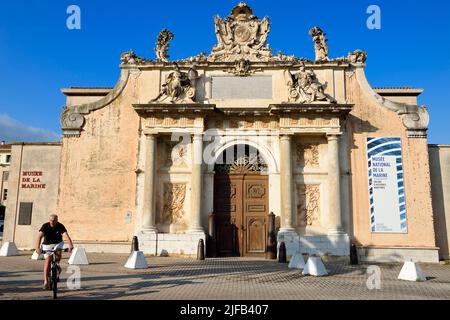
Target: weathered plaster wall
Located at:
point(98, 179)
point(369, 119)
point(440, 184)
point(40, 158)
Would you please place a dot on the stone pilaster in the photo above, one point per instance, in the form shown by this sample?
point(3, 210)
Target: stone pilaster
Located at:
point(195, 223)
point(334, 186)
point(287, 213)
point(149, 212)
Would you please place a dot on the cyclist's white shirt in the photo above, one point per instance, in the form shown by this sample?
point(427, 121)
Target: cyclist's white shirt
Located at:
point(50, 247)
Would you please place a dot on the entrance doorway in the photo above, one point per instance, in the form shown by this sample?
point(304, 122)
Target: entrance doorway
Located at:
point(241, 190)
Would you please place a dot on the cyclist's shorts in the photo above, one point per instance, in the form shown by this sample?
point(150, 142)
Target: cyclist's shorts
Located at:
point(50, 247)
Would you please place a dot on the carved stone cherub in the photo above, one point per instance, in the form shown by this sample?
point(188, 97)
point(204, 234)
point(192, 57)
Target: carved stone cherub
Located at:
point(162, 45)
point(304, 87)
point(320, 44)
point(179, 86)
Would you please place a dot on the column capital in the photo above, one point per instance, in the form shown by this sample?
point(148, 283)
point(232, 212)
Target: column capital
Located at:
point(150, 135)
point(197, 136)
point(286, 136)
point(333, 136)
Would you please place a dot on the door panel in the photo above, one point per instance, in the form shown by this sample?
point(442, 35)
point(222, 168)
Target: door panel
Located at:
point(241, 207)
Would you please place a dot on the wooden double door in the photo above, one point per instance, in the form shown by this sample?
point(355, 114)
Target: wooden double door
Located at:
point(241, 208)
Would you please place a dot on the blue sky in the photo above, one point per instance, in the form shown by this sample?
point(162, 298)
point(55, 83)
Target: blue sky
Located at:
point(39, 55)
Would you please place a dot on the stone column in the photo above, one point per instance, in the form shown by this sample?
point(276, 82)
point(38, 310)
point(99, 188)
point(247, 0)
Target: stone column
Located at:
point(334, 186)
point(288, 218)
point(195, 224)
point(148, 221)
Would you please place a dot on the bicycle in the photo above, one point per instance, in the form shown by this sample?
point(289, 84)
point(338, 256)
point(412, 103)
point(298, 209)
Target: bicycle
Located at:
point(53, 272)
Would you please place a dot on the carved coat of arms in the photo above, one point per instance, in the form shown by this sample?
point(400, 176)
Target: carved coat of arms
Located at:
point(241, 36)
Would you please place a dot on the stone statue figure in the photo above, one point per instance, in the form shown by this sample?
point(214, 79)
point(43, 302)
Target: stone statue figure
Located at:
point(179, 86)
point(358, 56)
point(241, 36)
point(320, 44)
point(304, 87)
point(162, 45)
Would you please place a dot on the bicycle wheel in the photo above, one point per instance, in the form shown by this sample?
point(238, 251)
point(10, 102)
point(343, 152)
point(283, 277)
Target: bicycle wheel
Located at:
point(55, 281)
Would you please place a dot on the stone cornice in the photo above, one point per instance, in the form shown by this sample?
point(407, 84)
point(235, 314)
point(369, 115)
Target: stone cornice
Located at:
point(271, 65)
point(321, 108)
point(173, 108)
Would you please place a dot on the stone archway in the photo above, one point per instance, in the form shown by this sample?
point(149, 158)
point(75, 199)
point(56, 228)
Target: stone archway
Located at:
point(241, 196)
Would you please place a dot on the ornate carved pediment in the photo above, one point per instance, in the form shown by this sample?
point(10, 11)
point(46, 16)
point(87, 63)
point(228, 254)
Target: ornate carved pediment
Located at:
point(241, 35)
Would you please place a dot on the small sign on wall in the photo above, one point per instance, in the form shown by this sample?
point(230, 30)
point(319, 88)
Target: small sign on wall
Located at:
point(32, 180)
point(386, 186)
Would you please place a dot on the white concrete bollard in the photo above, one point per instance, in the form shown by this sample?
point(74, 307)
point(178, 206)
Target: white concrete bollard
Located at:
point(78, 257)
point(136, 261)
point(315, 267)
point(297, 262)
point(36, 256)
point(411, 271)
point(9, 249)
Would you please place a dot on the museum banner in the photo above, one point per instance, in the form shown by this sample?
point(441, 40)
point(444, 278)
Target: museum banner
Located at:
point(386, 186)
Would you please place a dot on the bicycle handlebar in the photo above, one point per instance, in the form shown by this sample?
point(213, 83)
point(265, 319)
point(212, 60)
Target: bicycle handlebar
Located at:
point(62, 250)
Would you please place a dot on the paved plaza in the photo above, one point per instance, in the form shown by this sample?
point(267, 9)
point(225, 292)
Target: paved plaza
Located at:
point(223, 279)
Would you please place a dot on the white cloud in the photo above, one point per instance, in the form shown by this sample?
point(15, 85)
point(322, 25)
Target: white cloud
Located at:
point(12, 130)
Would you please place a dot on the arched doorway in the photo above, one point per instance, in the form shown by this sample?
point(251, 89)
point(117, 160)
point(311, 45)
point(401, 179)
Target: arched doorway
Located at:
point(241, 199)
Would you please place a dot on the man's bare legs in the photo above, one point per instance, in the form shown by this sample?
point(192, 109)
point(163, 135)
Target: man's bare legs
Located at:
point(47, 263)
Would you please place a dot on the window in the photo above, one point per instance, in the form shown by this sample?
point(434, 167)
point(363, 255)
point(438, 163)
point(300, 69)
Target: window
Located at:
point(5, 194)
point(25, 211)
point(8, 158)
point(5, 176)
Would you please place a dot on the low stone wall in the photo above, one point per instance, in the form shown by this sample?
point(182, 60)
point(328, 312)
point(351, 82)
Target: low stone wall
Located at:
point(172, 244)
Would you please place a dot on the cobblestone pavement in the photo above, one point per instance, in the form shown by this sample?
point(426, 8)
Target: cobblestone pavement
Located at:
point(222, 279)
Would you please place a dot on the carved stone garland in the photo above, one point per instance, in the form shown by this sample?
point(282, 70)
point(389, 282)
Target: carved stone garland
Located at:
point(307, 155)
point(308, 208)
point(174, 197)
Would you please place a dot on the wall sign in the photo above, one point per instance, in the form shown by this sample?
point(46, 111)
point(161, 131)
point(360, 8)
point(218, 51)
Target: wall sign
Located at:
point(32, 180)
point(386, 186)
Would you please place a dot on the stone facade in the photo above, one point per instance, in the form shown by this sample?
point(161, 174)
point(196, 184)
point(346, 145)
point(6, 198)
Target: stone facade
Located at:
point(139, 159)
point(440, 184)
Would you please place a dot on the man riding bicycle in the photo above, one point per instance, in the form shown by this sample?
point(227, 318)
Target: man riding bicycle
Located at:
point(53, 233)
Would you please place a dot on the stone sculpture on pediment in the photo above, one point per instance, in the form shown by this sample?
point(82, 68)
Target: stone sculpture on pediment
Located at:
point(304, 87)
point(162, 45)
point(358, 56)
point(320, 44)
point(241, 35)
point(178, 87)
